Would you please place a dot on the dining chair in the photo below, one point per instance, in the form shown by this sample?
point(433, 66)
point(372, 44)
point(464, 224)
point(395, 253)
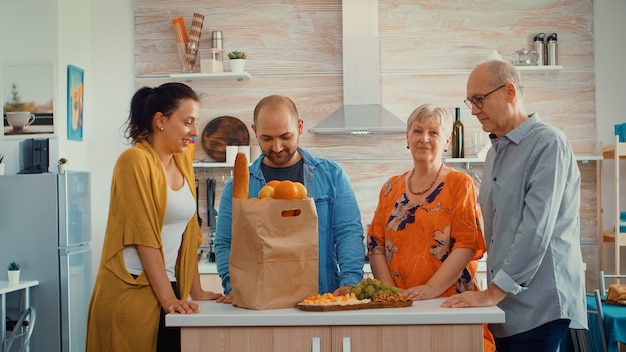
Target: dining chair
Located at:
point(591, 340)
point(22, 330)
point(604, 277)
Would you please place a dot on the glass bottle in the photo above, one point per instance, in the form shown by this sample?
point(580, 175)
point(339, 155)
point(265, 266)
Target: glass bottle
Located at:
point(457, 135)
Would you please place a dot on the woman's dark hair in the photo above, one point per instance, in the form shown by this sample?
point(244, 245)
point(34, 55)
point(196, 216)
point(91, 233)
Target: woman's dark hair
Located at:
point(147, 101)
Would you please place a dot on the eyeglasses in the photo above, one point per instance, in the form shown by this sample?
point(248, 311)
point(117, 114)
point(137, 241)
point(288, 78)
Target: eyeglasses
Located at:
point(478, 101)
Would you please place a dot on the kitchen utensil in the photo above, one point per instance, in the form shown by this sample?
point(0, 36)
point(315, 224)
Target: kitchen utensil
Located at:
point(223, 131)
point(194, 38)
point(197, 208)
point(180, 30)
point(211, 187)
point(370, 305)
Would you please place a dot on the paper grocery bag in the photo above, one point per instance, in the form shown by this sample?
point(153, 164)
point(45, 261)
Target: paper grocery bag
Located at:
point(274, 252)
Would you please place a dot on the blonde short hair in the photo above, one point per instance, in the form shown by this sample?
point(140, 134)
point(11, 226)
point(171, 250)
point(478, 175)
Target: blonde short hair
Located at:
point(428, 111)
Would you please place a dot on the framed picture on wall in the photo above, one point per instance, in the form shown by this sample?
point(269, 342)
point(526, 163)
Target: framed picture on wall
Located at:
point(75, 83)
point(27, 92)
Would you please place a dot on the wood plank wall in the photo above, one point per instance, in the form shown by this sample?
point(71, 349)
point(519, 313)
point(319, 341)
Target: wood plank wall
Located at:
point(428, 48)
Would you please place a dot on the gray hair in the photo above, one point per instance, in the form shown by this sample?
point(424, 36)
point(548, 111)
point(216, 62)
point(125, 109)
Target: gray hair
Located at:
point(428, 111)
point(502, 72)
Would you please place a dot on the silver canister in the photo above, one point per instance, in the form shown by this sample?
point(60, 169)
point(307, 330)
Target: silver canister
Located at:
point(217, 40)
point(552, 50)
point(538, 40)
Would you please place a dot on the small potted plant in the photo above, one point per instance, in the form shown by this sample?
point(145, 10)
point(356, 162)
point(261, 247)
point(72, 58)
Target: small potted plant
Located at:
point(13, 271)
point(62, 164)
point(1, 164)
point(237, 61)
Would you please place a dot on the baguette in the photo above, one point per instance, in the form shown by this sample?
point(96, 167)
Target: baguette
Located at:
point(241, 177)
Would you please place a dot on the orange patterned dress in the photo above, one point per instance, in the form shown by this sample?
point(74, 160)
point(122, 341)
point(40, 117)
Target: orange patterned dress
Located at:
point(417, 237)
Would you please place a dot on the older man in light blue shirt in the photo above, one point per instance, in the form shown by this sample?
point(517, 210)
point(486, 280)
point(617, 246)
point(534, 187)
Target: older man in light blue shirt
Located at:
point(530, 198)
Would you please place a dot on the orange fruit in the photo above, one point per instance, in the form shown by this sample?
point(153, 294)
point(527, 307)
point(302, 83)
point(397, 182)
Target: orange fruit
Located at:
point(266, 191)
point(273, 183)
point(301, 190)
point(286, 190)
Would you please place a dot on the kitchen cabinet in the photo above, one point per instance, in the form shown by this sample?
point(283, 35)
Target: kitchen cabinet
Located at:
point(340, 338)
point(424, 326)
point(615, 152)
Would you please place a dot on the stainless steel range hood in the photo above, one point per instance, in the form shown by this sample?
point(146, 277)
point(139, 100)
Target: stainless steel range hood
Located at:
point(361, 112)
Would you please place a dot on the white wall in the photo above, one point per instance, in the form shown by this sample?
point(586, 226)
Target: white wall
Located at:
point(26, 43)
point(609, 27)
point(112, 82)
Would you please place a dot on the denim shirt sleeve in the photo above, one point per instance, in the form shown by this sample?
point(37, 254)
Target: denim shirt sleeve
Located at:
point(348, 232)
point(223, 235)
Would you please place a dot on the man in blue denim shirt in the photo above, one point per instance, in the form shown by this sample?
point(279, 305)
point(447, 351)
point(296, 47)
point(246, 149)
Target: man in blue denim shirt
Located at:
point(278, 127)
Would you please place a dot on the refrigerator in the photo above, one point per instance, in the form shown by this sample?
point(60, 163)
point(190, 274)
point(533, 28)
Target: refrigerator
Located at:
point(45, 225)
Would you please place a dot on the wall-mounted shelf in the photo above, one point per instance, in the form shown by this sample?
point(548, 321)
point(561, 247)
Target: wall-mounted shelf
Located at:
point(523, 69)
point(190, 77)
point(481, 159)
point(543, 70)
point(211, 164)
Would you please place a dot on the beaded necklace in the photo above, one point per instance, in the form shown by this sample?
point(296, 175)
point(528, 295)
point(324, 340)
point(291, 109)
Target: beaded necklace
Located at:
point(429, 187)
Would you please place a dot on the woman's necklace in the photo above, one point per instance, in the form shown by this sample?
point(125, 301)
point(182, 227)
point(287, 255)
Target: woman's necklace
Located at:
point(429, 187)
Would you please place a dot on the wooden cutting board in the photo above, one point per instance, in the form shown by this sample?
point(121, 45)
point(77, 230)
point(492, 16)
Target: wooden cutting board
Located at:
point(370, 305)
point(223, 131)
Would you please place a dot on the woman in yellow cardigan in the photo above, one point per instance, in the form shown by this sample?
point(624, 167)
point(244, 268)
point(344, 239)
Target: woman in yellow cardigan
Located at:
point(149, 259)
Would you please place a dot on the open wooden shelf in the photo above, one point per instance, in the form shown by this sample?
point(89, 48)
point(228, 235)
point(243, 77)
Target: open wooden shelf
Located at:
point(615, 152)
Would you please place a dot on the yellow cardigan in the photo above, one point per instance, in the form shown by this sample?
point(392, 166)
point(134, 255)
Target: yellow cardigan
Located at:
point(124, 312)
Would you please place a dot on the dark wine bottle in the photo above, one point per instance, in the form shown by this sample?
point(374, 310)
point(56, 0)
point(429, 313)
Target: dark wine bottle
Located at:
point(457, 135)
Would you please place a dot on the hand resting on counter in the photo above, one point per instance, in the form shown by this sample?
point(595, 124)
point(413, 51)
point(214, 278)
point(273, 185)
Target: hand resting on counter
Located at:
point(228, 299)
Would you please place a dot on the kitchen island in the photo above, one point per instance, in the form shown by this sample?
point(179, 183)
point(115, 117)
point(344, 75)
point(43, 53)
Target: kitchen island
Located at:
point(424, 326)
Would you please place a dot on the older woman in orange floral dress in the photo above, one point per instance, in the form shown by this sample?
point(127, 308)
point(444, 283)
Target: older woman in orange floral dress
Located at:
point(426, 235)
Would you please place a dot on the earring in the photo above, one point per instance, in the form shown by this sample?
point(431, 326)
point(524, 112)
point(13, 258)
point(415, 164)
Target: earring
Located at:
point(445, 150)
point(161, 128)
point(407, 147)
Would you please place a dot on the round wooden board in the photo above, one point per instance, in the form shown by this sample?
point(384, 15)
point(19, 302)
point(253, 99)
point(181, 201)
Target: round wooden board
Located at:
point(223, 131)
point(370, 305)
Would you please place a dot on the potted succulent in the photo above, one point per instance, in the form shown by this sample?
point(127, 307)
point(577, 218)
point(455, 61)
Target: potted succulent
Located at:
point(1, 164)
point(237, 61)
point(62, 164)
point(13, 271)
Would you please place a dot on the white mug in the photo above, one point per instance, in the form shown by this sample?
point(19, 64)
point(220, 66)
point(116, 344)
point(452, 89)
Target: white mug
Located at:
point(246, 150)
point(20, 119)
point(231, 154)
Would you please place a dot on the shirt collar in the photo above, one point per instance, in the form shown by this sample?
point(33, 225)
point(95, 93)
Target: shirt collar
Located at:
point(521, 131)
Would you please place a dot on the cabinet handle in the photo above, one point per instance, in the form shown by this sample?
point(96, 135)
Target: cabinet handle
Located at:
point(346, 344)
point(315, 344)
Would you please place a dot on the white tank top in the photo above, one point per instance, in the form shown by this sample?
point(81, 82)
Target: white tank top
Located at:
point(179, 210)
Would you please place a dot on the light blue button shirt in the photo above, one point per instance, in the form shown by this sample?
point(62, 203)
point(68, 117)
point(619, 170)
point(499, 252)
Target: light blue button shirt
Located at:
point(530, 197)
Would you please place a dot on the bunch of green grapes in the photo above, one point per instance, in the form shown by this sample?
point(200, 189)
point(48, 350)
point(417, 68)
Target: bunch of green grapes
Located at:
point(371, 288)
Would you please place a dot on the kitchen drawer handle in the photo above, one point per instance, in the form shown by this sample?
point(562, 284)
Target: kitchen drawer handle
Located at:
point(346, 344)
point(315, 344)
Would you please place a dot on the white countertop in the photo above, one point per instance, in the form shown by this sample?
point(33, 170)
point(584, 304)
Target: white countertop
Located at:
point(421, 312)
point(204, 267)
